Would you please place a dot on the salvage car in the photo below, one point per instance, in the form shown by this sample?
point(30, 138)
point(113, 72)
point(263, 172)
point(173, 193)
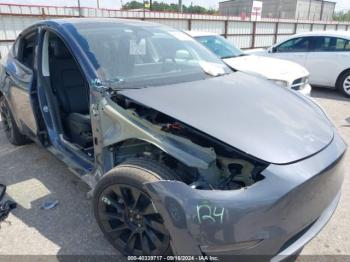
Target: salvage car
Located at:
point(183, 155)
point(284, 73)
point(324, 54)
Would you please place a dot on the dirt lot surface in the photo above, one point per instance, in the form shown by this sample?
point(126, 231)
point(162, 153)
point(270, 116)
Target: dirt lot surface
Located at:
point(33, 175)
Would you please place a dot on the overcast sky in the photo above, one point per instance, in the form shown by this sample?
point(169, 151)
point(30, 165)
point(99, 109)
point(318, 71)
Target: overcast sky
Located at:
point(115, 4)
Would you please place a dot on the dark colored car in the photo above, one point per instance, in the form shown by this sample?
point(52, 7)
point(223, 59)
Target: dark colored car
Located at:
point(183, 155)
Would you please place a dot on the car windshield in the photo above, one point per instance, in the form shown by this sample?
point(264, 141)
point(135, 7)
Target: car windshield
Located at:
point(133, 55)
point(220, 46)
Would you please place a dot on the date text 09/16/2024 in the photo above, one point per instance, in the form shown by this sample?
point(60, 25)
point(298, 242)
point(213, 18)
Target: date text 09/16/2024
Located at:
point(173, 258)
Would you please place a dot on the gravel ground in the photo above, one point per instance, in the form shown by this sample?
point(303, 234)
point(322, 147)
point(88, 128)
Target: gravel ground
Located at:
point(33, 175)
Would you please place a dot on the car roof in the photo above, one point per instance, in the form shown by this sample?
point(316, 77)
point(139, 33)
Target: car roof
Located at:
point(199, 33)
point(62, 22)
point(344, 34)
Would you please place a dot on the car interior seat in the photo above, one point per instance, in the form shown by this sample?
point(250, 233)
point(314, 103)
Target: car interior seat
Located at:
point(72, 94)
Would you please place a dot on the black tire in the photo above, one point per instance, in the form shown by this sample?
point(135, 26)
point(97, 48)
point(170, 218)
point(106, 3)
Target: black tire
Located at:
point(343, 84)
point(118, 211)
point(9, 124)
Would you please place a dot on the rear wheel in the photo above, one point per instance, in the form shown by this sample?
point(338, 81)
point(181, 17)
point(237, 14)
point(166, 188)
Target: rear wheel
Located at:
point(343, 84)
point(10, 127)
point(125, 212)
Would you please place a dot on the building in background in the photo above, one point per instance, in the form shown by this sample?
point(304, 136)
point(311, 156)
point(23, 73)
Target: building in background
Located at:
point(287, 9)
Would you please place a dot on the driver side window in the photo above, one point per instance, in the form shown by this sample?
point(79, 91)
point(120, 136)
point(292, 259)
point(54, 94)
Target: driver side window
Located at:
point(25, 49)
point(301, 44)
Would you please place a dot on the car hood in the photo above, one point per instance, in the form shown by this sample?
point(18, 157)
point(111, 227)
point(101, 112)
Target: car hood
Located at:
point(250, 114)
point(270, 68)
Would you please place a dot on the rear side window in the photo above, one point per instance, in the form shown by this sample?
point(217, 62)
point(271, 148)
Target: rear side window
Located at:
point(331, 44)
point(26, 49)
point(301, 44)
point(347, 46)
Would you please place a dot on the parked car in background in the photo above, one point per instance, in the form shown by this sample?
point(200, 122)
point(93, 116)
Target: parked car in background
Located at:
point(183, 155)
point(326, 55)
point(283, 73)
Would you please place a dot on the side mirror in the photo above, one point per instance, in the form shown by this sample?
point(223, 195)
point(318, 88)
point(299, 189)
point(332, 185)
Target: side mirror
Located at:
point(272, 50)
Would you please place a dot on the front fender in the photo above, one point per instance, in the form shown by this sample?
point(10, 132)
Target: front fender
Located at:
point(120, 125)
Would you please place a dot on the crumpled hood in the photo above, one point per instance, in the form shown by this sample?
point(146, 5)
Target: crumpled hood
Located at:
point(273, 124)
point(270, 68)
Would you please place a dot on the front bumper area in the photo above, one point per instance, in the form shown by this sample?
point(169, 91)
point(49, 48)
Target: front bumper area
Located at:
point(310, 232)
point(274, 217)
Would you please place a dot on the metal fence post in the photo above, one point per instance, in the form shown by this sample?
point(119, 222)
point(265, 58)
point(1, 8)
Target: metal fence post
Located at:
point(276, 32)
point(254, 34)
point(79, 8)
point(43, 13)
point(189, 25)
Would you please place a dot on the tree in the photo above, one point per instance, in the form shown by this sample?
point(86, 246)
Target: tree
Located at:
point(133, 5)
point(342, 16)
point(161, 6)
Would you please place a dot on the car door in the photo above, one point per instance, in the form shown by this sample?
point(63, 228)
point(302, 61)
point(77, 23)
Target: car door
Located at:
point(21, 79)
point(295, 50)
point(329, 57)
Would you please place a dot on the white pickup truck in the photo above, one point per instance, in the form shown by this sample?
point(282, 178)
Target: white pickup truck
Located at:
point(284, 73)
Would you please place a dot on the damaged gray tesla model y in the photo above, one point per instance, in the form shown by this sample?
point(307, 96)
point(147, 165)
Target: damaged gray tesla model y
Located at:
point(183, 155)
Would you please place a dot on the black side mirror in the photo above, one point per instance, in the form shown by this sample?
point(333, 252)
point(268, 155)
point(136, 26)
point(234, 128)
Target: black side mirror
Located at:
point(273, 50)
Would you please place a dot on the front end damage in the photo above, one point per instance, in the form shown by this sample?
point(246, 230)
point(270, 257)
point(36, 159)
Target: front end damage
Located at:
point(224, 202)
point(275, 217)
point(201, 162)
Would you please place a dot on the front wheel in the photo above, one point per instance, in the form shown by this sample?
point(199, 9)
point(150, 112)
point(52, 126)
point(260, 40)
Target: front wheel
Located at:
point(125, 212)
point(10, 127)
point(343, 84)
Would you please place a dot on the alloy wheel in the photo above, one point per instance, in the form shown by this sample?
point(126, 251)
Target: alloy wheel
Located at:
point(129, 219)
point(346, 85)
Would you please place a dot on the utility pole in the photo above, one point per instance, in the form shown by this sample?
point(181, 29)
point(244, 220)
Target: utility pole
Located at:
point(98, 4)
point(79, 8)
point(180, 6)
point(150, 5)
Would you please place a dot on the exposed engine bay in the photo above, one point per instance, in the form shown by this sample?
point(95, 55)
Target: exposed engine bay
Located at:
point(232, 170)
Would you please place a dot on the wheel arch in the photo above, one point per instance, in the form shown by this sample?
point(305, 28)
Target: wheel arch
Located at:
point(140, 148)
point(340, 76)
